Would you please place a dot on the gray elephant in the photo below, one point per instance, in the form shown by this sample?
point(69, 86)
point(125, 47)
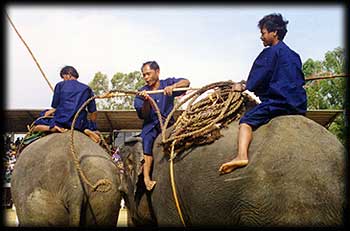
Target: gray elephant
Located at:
point(295, 177)
point(47, 189)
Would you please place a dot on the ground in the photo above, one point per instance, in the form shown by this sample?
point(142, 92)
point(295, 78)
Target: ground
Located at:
point(11, 221)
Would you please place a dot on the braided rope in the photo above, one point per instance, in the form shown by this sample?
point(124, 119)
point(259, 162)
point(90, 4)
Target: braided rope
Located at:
point(199, 124)
point(203, 114)
point(200, 121)
point(102, 182)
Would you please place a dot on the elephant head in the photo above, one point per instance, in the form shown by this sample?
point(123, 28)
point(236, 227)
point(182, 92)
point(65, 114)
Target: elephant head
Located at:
point(137, 198)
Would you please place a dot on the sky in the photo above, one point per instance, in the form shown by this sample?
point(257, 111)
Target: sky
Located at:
point(203, 43)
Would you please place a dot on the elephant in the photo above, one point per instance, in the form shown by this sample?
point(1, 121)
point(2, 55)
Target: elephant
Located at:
point(48, 191)
point(295, 177)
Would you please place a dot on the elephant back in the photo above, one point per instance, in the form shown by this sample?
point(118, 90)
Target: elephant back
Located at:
point(46, 174)
point(295, 176)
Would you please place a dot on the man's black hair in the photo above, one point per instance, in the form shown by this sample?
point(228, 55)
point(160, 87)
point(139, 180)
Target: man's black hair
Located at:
point(152, 64)
point(69, 70)
point(274, 22)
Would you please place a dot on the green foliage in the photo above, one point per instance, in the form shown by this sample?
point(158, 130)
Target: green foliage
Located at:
point(328, 93)
point(311, 67)
point(121, 81)
point(99, 84)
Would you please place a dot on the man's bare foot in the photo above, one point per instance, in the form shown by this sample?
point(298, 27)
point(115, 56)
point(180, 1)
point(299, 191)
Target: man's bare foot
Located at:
point(95, 137)
point(232, 165)
point(58, 129)
point(150, 184)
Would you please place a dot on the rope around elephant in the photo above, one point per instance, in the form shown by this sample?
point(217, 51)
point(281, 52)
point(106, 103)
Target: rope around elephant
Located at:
point(199, 124)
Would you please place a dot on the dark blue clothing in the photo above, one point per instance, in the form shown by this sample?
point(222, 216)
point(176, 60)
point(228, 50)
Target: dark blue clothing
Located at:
point(165, 104)
point(276, 77)
point(43, 121)
point(148, 140)
point(69, 96)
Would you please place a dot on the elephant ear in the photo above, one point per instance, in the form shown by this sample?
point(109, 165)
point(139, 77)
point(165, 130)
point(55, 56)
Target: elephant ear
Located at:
point(136, 142)
point(131, 153)
point(132, 139)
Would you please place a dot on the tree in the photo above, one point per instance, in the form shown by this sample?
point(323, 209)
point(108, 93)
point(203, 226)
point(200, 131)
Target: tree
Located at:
point(119, 81)
point(328, 93)
point(99, 85)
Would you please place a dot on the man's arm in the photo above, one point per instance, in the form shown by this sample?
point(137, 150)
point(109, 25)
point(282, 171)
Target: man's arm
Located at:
point(182, 83)
point(146, 106)
point(50, 112)
point(93, 116)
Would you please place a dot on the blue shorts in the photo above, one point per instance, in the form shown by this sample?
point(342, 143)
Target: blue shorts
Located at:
point(263, 113)
point(148, 140)
point(43, 121)
point(257, 116)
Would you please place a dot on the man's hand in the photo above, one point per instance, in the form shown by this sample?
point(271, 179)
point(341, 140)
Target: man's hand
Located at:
point(50, 112)
point(169, 90)
point(238, 87)
point(144, 95)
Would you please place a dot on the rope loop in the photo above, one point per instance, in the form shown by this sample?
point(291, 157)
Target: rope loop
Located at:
point(201, 122)
point(102, 182)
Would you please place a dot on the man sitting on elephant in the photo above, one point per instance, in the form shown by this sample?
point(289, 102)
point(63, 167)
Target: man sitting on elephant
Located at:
point(151, 129)
point(276, 77)
point(68, 97)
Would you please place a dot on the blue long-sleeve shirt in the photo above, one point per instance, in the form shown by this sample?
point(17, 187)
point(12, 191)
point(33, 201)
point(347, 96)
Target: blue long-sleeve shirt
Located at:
point(69, 96)
point(164, 102)
point(277, 78)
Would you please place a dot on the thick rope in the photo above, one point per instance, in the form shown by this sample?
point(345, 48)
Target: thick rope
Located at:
point(228, 107)
point(101, 182)
point(173, 186)
point(199, 123)
point(105, 182)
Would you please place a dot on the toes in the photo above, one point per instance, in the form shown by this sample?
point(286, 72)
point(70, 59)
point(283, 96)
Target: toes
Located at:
point(150, 185)
point(232, 165)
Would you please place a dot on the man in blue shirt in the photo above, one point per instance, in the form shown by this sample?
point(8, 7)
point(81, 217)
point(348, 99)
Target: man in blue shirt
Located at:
point(165, 101)
point(276, 77)
point(69, 96)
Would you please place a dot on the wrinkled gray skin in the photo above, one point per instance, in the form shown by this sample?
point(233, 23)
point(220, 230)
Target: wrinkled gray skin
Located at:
point(46, 188)
point(295, 177)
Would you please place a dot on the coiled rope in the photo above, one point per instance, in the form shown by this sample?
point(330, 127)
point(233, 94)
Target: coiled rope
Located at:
point(98, 186)
point(197, 122)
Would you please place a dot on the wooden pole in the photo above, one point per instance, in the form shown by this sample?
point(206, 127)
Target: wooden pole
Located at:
point(176, 89)
point(326, 77)
point(42, 72)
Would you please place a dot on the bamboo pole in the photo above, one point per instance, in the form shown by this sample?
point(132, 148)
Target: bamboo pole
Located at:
point(113, 93)
point(31, 53)
point(326, 77)
point(175, 89)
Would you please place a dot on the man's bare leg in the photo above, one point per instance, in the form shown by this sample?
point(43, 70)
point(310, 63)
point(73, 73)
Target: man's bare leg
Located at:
point(41, 128)
point(245, 136)
point(146, 172)
point(46, 128)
